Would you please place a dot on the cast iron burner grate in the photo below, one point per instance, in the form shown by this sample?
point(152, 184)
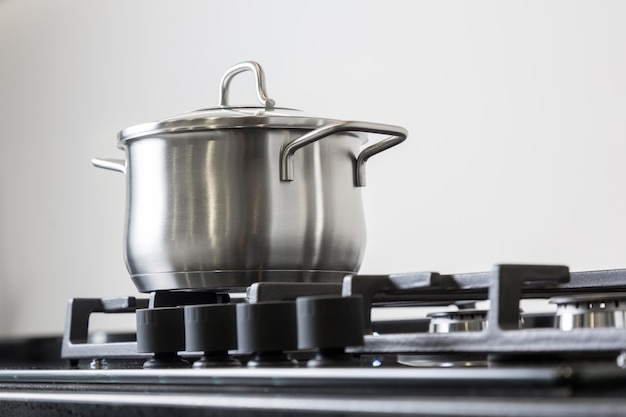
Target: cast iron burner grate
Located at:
point(500, 336)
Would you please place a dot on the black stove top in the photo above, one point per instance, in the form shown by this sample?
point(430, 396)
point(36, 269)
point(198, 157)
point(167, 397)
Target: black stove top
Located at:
point(308, 348)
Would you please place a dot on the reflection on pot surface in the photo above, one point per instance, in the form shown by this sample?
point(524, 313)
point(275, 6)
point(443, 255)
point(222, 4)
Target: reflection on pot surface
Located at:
point(222, 198)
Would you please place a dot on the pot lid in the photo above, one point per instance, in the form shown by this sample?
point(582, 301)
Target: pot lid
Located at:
point(266, 116)
point(227, 117)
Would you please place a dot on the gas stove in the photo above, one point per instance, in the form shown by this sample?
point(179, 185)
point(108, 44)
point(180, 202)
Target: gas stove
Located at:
point(315, 348)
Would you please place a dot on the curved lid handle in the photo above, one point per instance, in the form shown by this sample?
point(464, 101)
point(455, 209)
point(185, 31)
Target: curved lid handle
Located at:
point(259, 76)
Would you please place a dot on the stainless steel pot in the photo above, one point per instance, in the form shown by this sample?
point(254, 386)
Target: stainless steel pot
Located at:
point(222, 198)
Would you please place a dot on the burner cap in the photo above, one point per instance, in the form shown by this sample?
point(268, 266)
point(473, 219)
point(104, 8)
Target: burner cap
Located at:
point(458, 321)
point(590, 311)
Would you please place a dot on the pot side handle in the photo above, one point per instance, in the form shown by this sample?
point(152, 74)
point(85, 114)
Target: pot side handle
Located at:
point(118, 165)
point(398, 135)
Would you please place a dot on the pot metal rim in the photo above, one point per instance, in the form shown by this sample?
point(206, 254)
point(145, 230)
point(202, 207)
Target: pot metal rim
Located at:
point(225, 118)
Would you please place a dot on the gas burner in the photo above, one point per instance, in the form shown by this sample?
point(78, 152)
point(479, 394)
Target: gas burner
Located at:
point(605, 310)
point(457, 321)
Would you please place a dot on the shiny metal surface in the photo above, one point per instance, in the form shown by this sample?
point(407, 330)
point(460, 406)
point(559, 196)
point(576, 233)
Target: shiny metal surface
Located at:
point(398, 136)
point(516, 391)
point(225, 118)
point(219, 198)
point(230, 117)
point(458, 321)
point(118, 165)
point(209, 210)
point(590, 311)
point(259, 77)
point(235, 279)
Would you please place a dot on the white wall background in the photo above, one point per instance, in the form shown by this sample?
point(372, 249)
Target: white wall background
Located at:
point(516, 113)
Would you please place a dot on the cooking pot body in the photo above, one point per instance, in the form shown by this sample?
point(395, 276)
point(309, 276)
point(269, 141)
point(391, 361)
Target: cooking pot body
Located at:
point(209, 210)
